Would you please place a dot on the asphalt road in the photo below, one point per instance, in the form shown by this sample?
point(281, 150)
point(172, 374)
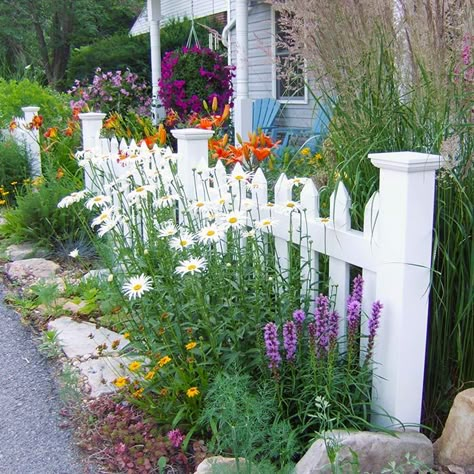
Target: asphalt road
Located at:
point(31, 441)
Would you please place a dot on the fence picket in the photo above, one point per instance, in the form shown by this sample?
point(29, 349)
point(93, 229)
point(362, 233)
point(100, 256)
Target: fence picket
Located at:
point(340, 219)
point(371, 213)
point(309, 257)
point(282, 226)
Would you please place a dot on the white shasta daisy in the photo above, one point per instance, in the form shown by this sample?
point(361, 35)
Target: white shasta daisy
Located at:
point(193, 265)
point(136, 286)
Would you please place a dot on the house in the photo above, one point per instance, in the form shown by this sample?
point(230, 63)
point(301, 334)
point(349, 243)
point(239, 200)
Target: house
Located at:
point(250, 36)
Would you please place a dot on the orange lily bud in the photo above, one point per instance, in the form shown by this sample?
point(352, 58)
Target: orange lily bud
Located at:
point(161, 135)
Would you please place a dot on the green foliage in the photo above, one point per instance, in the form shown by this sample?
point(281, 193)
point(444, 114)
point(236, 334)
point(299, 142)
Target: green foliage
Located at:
point(37, 217)
point(121, 51)
point(118, 52)
point(14, 168)
point(245, 423)
point(374, 113)
point(17, 94)
point(49, 345)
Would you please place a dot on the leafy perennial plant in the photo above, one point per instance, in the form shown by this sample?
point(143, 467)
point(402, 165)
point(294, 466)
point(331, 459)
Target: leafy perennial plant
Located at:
point(198, 272)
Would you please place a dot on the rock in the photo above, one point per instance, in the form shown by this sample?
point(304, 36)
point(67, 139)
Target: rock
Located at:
point(222, 465)
point(374, 451)
point(456, 444)
point(80, 339)
point(73, 307)
point(24, 251)
point(101, 372)
point(31, 269)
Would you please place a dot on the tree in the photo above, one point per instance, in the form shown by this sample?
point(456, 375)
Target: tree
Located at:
point(45, 31)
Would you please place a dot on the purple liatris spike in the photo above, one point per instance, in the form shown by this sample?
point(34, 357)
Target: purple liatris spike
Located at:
point(312, 334)
point(333, 328)
point(357, 289)
point(290, 339)
point(176, 437)
point(298, 317)
point(321, 314)
point(373, 325)
point(353, 315)
point(272, 345)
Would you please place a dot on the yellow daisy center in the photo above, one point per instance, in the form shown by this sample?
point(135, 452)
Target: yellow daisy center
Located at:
point(210, 233)
point(199, 204)
point(137, 287)
point(266, 222)
point(192, 267)
point(233, 220)
point(290, 204)
point(140, 189)
point(183, 243)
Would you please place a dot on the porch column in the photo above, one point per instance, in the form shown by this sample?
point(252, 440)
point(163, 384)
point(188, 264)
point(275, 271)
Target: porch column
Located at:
point(243, 105)
point(154, 20)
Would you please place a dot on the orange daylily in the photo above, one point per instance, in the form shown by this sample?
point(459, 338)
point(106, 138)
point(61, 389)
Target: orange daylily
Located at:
point(214, 143)
point(220, 119)
point(13, 125)
point(111, 122)
point(205, 123)
point(151, 140)
point(261, 153)
point(71, 127)
point(52, 132)
point(59, 173)
point(36, 122)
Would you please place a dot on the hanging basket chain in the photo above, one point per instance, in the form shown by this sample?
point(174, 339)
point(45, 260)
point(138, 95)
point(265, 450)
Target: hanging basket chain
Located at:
point(192, 33)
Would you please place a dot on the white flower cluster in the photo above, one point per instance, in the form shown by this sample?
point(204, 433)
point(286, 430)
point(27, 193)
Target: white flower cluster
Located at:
point(136, 185)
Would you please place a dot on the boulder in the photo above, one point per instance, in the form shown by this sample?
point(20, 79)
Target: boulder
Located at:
point(74, 308)
point(456, 444)
point(222, 465)
point(31, 269)
point(374, 452)
point(24, 251)
point(82, 339)
point(101, 373)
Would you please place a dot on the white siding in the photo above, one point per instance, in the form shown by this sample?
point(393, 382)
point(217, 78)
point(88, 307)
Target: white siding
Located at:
point(179, 9)
point(262, 68)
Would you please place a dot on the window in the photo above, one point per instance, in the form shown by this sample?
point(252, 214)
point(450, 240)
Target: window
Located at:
point(289, 72)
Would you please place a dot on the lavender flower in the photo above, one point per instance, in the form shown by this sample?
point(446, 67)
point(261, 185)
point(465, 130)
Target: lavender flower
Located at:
point(176, 437)
point(357, 288)
point(290, 339)
point(373, 325)
point(333, 328)
point(321, 315)
point(299, 316)
point(272, 345)
point(353, 315)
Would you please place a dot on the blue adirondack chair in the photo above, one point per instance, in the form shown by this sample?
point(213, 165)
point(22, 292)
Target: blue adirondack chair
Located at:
point(264, 112)
point(307, 137)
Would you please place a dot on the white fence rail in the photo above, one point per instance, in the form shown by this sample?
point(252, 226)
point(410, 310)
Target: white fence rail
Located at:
point(393, 250)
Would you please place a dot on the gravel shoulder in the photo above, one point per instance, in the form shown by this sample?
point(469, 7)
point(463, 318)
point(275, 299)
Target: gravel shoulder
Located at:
point(31, 440)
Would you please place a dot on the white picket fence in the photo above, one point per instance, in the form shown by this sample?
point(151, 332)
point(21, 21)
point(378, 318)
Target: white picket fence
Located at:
point(393, 250)
point(29, 138)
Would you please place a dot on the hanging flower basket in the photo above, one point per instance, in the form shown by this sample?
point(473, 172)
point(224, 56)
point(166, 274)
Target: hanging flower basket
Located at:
point(192, 75)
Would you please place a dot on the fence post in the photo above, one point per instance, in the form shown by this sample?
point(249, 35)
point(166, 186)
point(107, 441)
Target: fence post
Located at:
point(193, 146)
point(91, 127)
point(91, 124)
point(31, 140)
point(406, 207)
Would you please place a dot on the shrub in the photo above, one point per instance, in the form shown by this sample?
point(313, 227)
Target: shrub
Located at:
point(122, 92)
point(121, 51)
point(37, 217)
point(14, 168)
point(17, 94)
point(191, 76)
